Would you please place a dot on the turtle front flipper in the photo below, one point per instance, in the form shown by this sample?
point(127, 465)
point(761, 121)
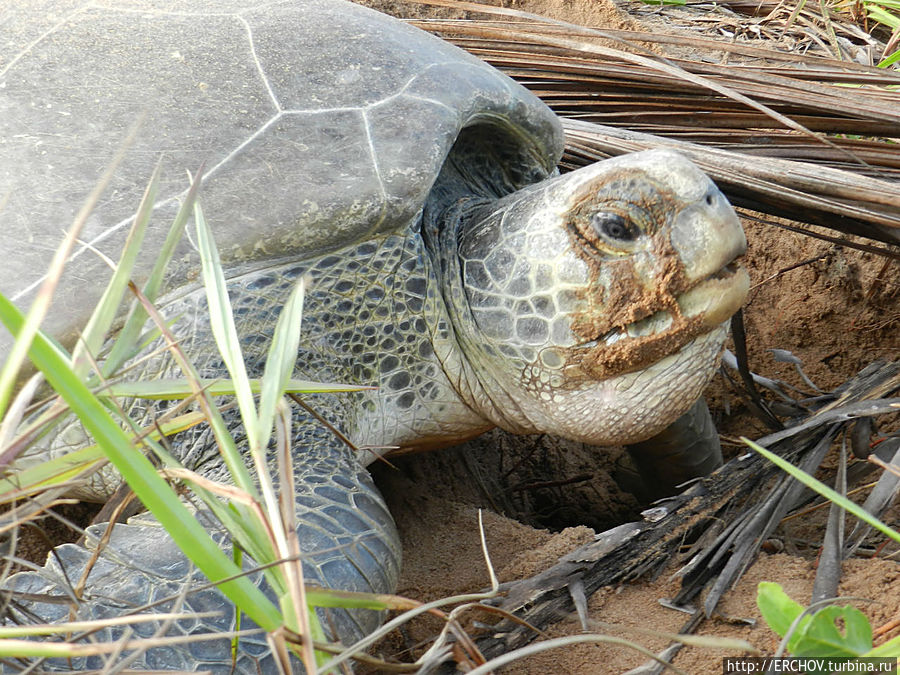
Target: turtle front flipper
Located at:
point(345, 532)
point(688, 448)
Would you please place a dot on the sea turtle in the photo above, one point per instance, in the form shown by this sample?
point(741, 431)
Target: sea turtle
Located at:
point(415, 188)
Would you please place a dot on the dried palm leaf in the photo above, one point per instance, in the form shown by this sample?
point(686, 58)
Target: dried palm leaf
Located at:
point(804, 114)
point(802, 25)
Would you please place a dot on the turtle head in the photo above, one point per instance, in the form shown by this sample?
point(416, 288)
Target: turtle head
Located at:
point(594, 305)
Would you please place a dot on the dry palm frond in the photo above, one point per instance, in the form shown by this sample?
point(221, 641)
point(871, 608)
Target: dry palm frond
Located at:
point(825, 125)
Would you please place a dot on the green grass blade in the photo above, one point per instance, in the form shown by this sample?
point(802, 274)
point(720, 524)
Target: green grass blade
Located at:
point(890, 649)
point(883, 16)
point(176, 232)
point(240, 518)
point(124, 346)
point(326, 597)
point(52, 472)
point(225, 442)
point(41, 304)
point(280, 362)
point(245, 528)
point(76, 462)
point(891, 60)
point(222, 322)
point(225, 334)
point(825, 491)
point(98, 326)
point(248, 530)
point(136, 469)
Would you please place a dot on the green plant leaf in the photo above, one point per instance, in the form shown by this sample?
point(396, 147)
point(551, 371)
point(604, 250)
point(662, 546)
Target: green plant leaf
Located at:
point(104, 313)
point(9, 369)
point(249, 532)
point(817, 634)
point(822, 636)
point(222, 322)
point(327, 597)
point(245, 528)
point(891, 60)
point(168, 389)
point(49, 473)
point(890, 649)
point(779, 611)
point(125, 343)
point(280, 362)
point(226, 443)
point(883, 16)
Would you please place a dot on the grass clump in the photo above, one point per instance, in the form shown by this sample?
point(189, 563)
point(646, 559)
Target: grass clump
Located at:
point(259, 522)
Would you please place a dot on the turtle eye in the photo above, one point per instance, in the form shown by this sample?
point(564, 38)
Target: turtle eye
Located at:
point(612, 226)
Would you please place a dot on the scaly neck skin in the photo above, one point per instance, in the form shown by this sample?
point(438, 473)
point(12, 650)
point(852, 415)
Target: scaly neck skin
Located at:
point(374, 316)
point(411, 349)
point(475, 378)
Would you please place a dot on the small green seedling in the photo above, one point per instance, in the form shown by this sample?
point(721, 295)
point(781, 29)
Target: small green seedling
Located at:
point(816, 633)
point(832, 631)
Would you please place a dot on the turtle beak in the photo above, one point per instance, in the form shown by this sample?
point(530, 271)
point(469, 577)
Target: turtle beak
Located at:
point(707, 235)
point(708, 238)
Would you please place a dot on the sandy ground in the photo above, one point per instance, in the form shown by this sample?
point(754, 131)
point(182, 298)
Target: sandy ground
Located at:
point(837, 312)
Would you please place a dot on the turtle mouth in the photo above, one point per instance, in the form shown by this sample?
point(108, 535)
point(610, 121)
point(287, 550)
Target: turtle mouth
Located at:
point(717, 297)
point(706, 305)
point(703, 307)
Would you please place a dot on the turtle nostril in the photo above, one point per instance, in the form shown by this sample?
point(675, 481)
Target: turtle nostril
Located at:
point(710, 198)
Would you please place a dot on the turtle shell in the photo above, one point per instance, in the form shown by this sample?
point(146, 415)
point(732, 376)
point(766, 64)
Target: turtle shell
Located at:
point(318, 123)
